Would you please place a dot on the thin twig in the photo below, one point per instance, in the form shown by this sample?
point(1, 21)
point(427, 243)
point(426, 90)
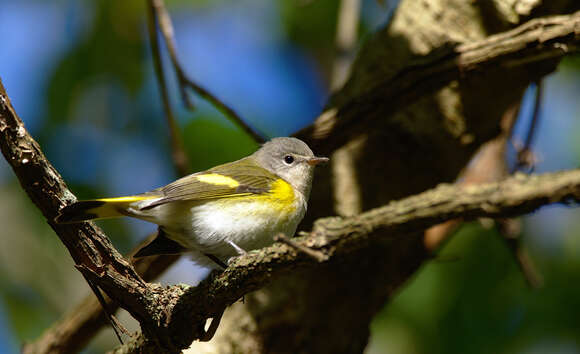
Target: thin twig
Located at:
point(490, 166)
point(166, 26)
point(487, 165)
point(317, 255)
point(526, 157)
point(177, 149)
point(117, 326)
point(346, 186)
point(345, 41)
point(71, 333)
point(531, 274)
point(536, 114)
point(533, 277)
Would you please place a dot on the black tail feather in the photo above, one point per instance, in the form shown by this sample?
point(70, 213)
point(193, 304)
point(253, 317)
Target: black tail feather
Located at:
point(77, 212)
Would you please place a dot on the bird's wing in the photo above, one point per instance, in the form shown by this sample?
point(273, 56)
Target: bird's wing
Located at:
point(242, 177)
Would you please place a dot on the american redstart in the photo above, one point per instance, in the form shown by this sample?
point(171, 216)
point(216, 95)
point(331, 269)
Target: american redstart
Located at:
point(222, 212)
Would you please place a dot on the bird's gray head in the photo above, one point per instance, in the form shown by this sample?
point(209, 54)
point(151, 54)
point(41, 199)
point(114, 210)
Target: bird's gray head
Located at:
point(291, 159)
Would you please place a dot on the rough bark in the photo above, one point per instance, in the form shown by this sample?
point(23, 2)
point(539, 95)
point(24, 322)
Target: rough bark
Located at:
point(343, 239)
point(82, 322)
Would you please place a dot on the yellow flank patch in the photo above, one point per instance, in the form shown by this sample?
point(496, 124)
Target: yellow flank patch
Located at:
point(283, 192)
point(279, 203)
point(217, 179)
point(129, 199)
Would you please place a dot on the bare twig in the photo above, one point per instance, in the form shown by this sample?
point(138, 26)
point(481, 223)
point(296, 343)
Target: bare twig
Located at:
point(345, 184)
point(164, 20)
point(316, 255)
point(177, 149)
point(531, 274)
point(118, 328)
point(345, 41)
point(93, 254)
point(536, 114)
point(215, 322)
point(488, 165)
point(72, 332)
point(526, 157)
point(166, 26)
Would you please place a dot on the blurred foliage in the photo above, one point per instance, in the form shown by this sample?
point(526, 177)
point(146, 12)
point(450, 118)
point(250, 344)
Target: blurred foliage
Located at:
point(480, 302)
point(212, 142)
point(312, 25)
point(112, 49)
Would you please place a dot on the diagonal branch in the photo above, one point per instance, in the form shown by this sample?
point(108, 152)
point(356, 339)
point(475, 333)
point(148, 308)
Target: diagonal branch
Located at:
point(80, 324)
point(535, 41)
point(93, 254)
point(345, 41)
point(177, 149)
point(338, 237)
point(158, 9)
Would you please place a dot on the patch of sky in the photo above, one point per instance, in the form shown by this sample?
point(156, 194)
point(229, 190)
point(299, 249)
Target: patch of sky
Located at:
point(53, 27)
point(553, 145)
point(7, 339)
point(556, 131)
point(239, 53)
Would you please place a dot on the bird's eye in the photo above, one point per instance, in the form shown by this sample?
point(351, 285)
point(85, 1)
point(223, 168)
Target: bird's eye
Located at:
point(288, 159)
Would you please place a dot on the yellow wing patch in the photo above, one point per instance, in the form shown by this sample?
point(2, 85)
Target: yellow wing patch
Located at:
point(217, 179)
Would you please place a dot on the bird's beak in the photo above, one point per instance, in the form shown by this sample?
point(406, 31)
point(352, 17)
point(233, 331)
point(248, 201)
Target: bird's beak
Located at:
point(313, 161)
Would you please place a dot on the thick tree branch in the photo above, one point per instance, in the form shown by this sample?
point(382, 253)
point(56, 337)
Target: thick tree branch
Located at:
point(537, 40)
point(80, 324)
point(338, 237)
point(94, 255)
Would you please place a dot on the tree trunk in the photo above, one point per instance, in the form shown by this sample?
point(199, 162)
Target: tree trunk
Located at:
point(328, 309)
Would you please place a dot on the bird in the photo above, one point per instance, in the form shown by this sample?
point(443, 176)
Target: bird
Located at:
point(222, 212)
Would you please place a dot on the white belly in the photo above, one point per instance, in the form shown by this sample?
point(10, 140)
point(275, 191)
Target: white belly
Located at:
point(207, 227)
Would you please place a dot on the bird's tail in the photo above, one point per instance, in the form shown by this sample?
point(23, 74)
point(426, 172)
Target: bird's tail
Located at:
point(98, 209)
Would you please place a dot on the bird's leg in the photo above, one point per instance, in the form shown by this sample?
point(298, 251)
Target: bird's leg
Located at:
point(238, 249)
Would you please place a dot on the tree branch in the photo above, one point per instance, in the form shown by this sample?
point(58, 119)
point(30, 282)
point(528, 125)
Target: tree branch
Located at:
point(345, 41)
point(94, 255)
point(346, 187)
point(537, 40)
point(157, 8)
point(338, 237)
point(178, 154)
point(80, 324)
